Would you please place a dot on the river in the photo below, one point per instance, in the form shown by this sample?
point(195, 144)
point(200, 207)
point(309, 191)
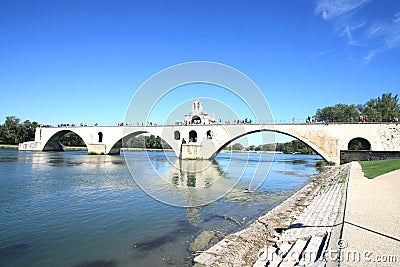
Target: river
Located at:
point(74, 209)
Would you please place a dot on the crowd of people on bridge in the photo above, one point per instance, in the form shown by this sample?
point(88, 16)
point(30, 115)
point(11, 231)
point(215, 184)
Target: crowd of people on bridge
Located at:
point(309, 120)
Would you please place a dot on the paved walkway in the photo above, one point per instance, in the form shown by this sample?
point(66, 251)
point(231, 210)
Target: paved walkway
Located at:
point(371, 230)
point(305, 240)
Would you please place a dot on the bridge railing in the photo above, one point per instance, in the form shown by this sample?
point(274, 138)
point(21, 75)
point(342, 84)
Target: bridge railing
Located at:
point(154, 124)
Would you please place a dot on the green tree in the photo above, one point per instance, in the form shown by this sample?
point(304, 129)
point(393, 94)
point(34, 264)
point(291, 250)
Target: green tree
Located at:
point(268, 147)
point(14, 132)
point(337, 113)
point(154, 142)
point(135, 142)
point(237, 146)
point(355, 145)
point(72, 139)
point(142, 141)
point(9, 130)
point(251, 147)
point(295, 146)
point(382, 108)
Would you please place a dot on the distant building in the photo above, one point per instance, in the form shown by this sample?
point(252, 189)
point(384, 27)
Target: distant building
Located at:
point(198, 115)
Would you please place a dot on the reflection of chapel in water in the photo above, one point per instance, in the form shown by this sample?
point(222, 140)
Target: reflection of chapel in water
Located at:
point(198, 115)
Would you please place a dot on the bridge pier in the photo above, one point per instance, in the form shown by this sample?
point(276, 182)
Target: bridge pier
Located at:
point(202, 150)
point(97, 149)
point(191, 151)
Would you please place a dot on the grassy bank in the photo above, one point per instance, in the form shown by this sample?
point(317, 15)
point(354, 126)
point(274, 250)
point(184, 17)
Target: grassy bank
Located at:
point(4, 146)
point(375, 168)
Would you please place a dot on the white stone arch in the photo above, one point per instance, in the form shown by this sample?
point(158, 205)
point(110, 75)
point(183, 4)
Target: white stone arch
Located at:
point(307, 142)
point(363, 140)
point(54, 144)
point(117, 145)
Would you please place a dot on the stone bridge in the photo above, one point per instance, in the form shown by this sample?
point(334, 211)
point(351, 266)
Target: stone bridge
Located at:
point(207, 140)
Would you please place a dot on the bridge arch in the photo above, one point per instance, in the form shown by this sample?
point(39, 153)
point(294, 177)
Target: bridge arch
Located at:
point(116, 147)
point(319, 151)
point(359, 143)
point(54, 142)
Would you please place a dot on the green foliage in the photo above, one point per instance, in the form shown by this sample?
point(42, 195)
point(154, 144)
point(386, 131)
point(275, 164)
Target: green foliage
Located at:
point(376, 109)
point(355, 145)
point(72, 139)
point(237, 146)
point(376, 168)
point(337, 113)
point(266, 147)
point(13, 131)
point(135, 142)
point(295, 146)
point(382, 108)
point(142, 141)
point(153, 142)
point(251, 148)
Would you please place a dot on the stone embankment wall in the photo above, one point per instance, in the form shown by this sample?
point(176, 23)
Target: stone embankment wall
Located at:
point(366, 155)
point(300, 226)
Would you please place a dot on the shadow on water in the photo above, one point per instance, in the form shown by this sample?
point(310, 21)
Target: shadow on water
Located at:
point(9, 159)
point(14, 248)
point(185, 228)
point(294, 173)
point(98, 263)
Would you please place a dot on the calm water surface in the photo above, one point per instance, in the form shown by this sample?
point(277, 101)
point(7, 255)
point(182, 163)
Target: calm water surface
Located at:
point(74, 209)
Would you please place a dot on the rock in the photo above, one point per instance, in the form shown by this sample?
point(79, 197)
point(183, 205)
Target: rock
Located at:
point(233, 238)
point(201, 241)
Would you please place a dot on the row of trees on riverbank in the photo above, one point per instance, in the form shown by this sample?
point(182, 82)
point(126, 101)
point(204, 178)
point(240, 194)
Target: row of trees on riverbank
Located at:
point(14, 131)
point(295, 146)
point(381, 109)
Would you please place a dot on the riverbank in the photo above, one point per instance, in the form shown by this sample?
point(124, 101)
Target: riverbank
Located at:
point(4, 146)
point(296, 231)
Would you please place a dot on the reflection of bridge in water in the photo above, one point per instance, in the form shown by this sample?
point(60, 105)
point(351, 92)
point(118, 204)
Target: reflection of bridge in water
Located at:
point(192, 183)
point(189, 183)
point(210, 139)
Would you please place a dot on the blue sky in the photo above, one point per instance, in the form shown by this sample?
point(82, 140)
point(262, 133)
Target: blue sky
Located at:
point(82, 61)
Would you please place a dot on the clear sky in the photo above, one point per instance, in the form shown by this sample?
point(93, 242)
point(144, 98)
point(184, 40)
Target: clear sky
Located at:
point(82, 61)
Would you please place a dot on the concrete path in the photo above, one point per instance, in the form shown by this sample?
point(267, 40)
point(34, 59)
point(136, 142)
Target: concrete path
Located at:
point(371, 231)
